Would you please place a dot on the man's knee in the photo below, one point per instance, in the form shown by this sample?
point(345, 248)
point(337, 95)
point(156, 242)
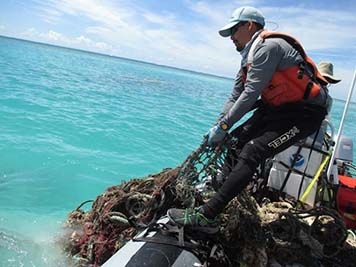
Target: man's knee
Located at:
point(251, 154)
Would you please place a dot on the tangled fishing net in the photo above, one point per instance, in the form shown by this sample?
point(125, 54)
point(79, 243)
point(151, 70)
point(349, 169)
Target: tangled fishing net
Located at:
point(254, 231)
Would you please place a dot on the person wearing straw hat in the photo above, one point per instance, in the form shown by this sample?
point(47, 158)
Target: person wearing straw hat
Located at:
point(275, 72)
point(326, 69)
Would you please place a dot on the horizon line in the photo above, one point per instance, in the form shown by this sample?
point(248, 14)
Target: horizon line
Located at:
point(119, 57)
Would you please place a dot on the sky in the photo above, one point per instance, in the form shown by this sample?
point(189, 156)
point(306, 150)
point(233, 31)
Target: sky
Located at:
point(184, 34)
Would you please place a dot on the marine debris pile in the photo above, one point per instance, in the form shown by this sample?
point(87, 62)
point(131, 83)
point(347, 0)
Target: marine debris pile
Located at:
point(254, 231)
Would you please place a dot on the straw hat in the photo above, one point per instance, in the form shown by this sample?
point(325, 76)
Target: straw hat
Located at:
point(327, 70)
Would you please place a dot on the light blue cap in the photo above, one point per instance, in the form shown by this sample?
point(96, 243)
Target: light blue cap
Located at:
point(246, 13)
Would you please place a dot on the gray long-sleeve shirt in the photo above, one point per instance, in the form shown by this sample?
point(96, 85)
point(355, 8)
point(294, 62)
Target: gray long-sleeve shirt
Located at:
point(269, 56)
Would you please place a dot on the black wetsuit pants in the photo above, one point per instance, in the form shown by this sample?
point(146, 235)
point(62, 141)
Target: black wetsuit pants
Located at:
point(268, 132)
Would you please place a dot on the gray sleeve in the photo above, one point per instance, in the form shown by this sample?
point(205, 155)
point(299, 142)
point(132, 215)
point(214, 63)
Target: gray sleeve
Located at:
point(264, 63)
point(236, 92)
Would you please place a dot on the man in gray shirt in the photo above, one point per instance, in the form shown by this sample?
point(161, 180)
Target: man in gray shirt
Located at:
point(276, 73)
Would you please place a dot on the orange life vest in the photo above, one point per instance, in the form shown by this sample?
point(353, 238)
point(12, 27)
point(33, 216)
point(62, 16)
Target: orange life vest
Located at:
point(292, 84)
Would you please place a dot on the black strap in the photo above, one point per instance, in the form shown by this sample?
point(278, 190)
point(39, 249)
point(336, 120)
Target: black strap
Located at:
point(290, 169)
point(325, 153)
point(304, 69)
point(308, 90)
point(285, 165)
point(162, 236)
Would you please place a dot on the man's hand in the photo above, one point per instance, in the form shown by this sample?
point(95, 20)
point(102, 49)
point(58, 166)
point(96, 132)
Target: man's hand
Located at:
point(215, 135)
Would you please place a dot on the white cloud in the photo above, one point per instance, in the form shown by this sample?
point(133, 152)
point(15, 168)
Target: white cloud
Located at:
point(55, 36)
point(98, 30)
point(167, 19)
point(84, 40)
point(80, 42)
point(2, 27)
point(170, 38)
point(317, 29)
point(154, 37)
point(31, 32)
point(98, 11)
point(49, 15)
point(215, 13)
point(103, 46)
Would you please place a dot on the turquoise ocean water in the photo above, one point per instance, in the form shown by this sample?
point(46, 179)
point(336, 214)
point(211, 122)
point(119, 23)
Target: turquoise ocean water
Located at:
point(73, 123)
